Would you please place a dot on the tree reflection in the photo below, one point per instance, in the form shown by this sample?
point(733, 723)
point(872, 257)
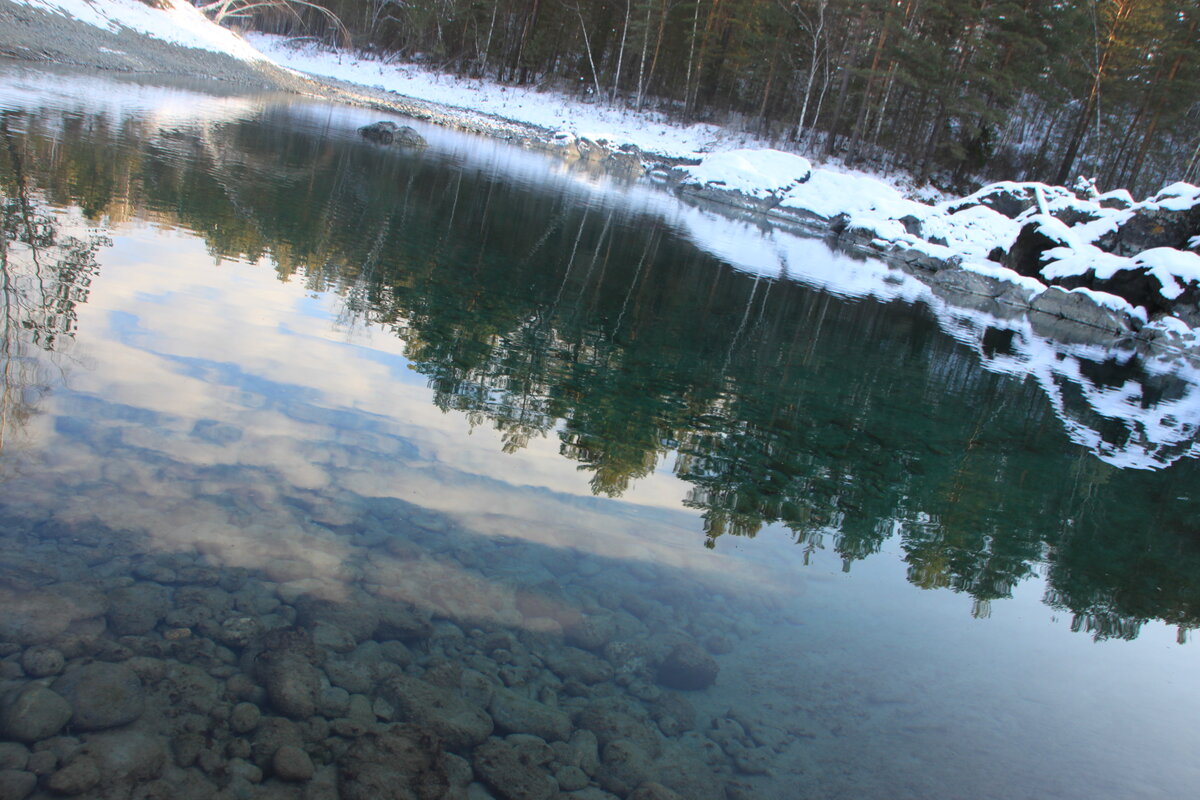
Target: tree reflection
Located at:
point(844, 423)
point(45, 273)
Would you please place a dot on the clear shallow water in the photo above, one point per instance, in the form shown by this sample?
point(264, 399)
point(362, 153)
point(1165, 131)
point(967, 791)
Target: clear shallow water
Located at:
point(429, 412)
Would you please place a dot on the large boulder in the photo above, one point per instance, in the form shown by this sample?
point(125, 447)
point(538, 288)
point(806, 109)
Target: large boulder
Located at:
point(1010, 199)
point(1073, 317)
point(1138, 285)
point(1169, 219)
point(1027, 254)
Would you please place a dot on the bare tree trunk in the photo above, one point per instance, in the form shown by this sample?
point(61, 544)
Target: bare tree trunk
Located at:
point(621, 50)
point(587, 44)
point(687, 89)
point(641, 84)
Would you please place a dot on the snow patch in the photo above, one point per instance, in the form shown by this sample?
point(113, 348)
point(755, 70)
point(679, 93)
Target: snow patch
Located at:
point(754, 173)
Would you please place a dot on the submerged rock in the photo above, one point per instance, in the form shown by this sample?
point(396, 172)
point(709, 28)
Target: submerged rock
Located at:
point(102, 695)
point(459, 723)
point(127, 754)
point(689, 667)
point(293, 684)
point(78, 776)
point(138, 608)
point(403, 762)
point(625, 767)
point(513, 713)
point(16, 784)
point(291, 763)
point(387, 132)
point(654, 791)
point(33, 713)
point(514, 768)
point(40, 616)
point(41, 662)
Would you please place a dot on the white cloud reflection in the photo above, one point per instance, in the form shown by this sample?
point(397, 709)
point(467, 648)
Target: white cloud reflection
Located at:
point(215, 395)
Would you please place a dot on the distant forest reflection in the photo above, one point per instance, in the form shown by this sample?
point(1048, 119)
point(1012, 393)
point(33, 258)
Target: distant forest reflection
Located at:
point(845, 422)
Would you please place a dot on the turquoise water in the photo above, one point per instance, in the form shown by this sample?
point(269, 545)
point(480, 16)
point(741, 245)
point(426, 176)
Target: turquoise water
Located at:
point(313, 438)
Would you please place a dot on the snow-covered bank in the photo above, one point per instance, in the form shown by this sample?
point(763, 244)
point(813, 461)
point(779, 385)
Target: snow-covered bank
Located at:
point(651, 132)
point(1137, 262)
point(1018, 240)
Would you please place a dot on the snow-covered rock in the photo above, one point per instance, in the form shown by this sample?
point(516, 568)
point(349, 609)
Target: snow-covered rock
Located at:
point(760, 174)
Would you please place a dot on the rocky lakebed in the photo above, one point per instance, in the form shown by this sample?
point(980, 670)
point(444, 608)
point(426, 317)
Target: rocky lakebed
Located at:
point(526, 675)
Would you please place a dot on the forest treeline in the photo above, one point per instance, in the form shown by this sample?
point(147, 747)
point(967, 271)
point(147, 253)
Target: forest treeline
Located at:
point(954, 91)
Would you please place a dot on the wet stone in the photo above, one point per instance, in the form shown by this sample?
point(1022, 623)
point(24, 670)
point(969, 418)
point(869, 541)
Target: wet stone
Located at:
point(33, 713)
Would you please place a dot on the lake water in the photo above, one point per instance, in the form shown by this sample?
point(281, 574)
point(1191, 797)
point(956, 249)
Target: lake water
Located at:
point(337, 470)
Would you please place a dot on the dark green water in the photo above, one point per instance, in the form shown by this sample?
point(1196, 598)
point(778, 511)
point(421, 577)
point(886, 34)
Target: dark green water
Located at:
point(261, 373)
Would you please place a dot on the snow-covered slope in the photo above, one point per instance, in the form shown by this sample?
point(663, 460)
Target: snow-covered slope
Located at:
point(177, 22)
